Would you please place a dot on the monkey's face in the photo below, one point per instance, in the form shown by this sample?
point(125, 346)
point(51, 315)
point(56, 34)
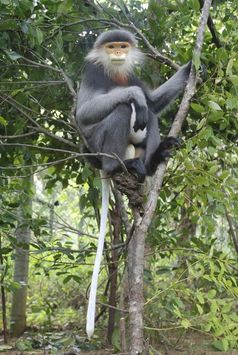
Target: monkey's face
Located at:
point(117, 52)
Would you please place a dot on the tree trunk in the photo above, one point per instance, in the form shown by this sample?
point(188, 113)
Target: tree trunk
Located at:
point(113, 270)
point(137, 242)
point(23, 234)
point(136, 299)
point(3, 296)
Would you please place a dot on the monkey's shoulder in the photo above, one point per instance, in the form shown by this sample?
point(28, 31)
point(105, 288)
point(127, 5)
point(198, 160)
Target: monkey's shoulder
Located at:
point(95, 78)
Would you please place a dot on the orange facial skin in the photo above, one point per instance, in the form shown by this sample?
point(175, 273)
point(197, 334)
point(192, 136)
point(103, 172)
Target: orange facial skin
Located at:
point(117, 52)
point(118, 49)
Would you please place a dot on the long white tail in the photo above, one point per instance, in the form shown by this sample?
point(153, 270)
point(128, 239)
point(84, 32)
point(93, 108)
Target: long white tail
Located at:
point(103, 223)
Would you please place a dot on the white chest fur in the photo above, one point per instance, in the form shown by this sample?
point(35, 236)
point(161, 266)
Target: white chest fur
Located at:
point(134, 138)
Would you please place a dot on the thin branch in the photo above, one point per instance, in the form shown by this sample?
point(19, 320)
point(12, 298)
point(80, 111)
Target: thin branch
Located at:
point(46, 66)
point(212, 28)
point(48, 82)
point(66, 80)
point(19, 135)
point(232, 230)
point(69, 83)
point(75, 154)
point(51, 163)
point(14, 103)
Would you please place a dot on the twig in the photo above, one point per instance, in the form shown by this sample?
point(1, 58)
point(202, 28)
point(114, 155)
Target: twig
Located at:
point(15, 104)
point(76, 154)
point(212, 28)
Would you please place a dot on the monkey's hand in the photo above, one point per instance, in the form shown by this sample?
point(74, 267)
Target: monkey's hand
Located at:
point(137, 97)
point(141, 117)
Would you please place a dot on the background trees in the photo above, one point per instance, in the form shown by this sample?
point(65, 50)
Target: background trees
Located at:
point(191, 261)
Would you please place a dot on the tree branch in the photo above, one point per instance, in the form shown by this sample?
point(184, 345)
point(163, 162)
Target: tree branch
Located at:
point(142, 224)
point(232, 230)
point(212, 28)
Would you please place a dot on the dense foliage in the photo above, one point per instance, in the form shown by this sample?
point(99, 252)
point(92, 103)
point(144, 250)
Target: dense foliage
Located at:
point(191, 262)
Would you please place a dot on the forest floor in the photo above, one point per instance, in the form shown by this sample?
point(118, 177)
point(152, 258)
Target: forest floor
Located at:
point(186, 343)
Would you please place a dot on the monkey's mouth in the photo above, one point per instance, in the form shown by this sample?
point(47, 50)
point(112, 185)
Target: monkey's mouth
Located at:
point(118, 61)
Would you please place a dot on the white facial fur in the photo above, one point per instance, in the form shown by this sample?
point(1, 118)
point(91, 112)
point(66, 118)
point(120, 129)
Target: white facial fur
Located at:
point(99, 56)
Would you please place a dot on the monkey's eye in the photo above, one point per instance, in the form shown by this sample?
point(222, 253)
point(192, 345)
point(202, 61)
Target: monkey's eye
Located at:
point(111, 46)
point(123, 46)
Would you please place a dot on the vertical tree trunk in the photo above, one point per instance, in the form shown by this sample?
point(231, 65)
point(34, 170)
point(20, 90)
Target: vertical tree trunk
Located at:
point(3, 296)
point(137, 242)
point(136, 249)
point(23, 235)
point(113, 270)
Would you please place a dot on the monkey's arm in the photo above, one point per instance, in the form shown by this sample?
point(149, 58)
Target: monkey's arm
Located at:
point(93, 106)
point(167, 92)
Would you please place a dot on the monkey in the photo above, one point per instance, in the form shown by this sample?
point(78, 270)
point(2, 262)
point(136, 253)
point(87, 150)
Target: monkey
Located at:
point(116, 113)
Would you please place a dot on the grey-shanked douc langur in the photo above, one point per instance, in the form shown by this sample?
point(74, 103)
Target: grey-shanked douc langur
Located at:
point(116, 113)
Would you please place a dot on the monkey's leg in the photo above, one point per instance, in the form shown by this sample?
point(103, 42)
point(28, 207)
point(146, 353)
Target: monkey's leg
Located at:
point(157, 151)
point(116, 140)
point(110, 136)
point(116, 128)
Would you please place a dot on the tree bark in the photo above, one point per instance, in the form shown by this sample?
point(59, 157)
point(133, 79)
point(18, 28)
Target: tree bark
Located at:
point(137, 242)
point(23, 235)
point(3, 296)
point(113, 270)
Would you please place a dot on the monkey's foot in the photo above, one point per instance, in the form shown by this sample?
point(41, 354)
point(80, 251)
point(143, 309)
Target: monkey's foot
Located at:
point(136, 168)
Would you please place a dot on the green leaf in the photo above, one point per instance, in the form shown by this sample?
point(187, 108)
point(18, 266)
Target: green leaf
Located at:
point(23, 345)
point(221, 54)
point(200, 298)
point(185, 323)
point(5, 251)
point(200, 309)
point(77, 279)
point(214, 168)
point(214, 106)
point(197, 107)
point(221, 345)
point(39, 35)
point(211, 293)
point(67, 279)
point(65, 7)
point(232, 103)
point(3, 121)
point(196, 61)
point(196, 5)
point(13, 55)
point(229, 67)
point(201, 124)
point(6, 25)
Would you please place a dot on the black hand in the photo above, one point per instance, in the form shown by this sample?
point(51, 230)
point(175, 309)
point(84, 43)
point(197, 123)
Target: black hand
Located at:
point(141, 117)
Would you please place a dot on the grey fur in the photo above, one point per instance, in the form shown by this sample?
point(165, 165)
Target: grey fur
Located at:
point(115, 36)
point(104, 111)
